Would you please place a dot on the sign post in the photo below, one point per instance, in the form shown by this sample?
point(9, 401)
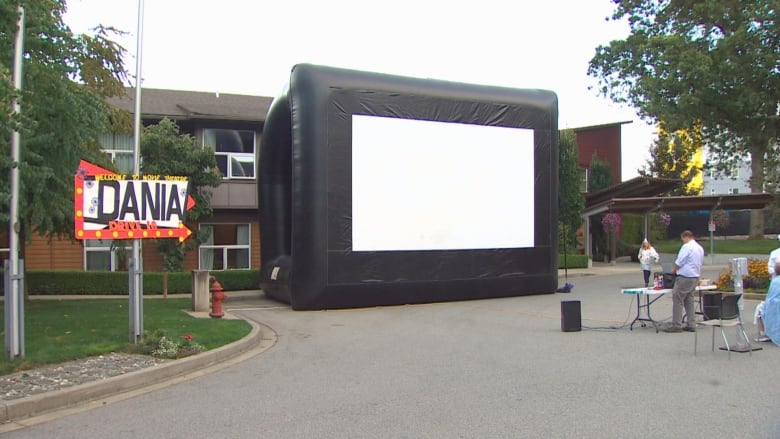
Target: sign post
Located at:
point(711, 228)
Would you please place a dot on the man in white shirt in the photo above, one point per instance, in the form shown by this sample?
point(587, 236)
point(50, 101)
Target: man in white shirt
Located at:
point(687, 267)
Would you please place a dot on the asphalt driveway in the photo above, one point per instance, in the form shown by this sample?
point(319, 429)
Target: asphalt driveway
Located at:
point(498, 368)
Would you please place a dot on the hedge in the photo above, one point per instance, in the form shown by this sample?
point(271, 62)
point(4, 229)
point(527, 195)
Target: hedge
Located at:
point(573, 261)
point(50, 282)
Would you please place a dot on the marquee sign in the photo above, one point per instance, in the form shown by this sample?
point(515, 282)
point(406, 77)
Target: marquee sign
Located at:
point(108, 205)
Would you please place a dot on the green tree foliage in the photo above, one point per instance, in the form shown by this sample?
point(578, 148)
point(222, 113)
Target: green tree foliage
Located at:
point(570, 199)
point(708, 62)
point(65, 80)
point(166, 152)
point(600, 175)
point(632, 231)
point(672, 156)
point(720, 217)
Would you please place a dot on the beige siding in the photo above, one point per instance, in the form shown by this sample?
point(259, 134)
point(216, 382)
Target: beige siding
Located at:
point(59, 254)
point(256, 245)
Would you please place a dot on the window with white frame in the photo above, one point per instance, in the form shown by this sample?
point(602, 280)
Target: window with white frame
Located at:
point(712, 191)
point(120, 148)
point(234, 151)
point(733, 190)
point(226, 247)
point(584, 180)
point(100, 255)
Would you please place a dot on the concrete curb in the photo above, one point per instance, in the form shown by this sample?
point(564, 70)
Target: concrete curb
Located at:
point(260, 338)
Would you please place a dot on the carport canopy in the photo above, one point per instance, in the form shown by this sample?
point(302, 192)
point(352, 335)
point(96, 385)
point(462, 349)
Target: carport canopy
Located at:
point(644, 195)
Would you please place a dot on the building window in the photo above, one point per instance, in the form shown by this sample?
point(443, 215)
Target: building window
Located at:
point(712, 191)
point(104, 255)
point(226, 247)
point(119, 148)
point(733, 190)
point(584, 180)
point(234, 151)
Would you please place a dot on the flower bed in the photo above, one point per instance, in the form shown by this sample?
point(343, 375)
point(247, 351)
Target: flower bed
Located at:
point(756, 281)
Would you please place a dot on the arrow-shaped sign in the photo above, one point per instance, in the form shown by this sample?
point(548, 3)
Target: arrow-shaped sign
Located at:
point(108, 205)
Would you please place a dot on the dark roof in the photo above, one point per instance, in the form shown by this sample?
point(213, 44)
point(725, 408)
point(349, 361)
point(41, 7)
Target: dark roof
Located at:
point(637, 187)
point(680, 203)
point(177, 104)
point(603, 125)
point(644, 194)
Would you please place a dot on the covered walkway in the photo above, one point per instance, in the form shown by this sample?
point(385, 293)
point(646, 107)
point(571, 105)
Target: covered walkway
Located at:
point(644, 195)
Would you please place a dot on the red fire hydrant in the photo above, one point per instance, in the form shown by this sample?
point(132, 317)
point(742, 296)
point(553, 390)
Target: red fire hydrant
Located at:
point(217, 296)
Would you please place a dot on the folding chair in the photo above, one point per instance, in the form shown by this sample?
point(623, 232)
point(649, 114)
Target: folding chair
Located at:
point(729, 316)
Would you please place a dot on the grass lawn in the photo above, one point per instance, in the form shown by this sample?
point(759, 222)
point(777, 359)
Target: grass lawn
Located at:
point(723, 246)
point(63, 330)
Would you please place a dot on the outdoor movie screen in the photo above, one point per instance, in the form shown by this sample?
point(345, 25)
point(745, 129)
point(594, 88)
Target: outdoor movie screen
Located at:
point(377, 189)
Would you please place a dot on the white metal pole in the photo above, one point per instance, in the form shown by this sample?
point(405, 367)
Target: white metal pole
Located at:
point(14, 312)
point(136, 271)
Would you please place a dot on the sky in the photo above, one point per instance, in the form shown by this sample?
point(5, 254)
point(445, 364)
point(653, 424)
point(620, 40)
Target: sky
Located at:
point(249, 47)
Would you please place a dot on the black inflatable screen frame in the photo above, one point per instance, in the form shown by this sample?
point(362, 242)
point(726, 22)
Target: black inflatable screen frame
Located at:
point(305, 193)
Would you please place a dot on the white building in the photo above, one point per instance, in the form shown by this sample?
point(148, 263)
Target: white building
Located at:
point(734, 181)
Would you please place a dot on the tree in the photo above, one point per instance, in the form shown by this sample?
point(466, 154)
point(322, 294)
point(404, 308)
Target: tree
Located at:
point(709, 62)
point(677, 155)
point(65, 80)
point(772, 212)
point(600, 174)
point(600, 178)
point(166, 152)
point(570, 199)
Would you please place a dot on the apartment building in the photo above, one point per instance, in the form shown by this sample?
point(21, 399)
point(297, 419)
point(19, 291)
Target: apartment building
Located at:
point(229, 124)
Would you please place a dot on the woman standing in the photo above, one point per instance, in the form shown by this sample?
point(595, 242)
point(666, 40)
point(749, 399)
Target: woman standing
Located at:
point(647, 257)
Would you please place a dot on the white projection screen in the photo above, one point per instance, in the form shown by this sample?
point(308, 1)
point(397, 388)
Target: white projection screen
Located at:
point(426, 185)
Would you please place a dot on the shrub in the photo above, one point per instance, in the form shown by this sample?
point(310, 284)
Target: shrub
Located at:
point(573, 261)
point(50, 282)
point(158, 343)
point(632, 229)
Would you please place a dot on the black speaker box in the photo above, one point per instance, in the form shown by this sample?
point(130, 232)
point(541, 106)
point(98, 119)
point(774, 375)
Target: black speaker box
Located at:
point(571, 318)
point(669, 279)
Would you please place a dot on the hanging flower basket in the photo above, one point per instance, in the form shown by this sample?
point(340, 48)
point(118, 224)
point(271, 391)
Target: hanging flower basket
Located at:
point(664, 219)
point(611, 222)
